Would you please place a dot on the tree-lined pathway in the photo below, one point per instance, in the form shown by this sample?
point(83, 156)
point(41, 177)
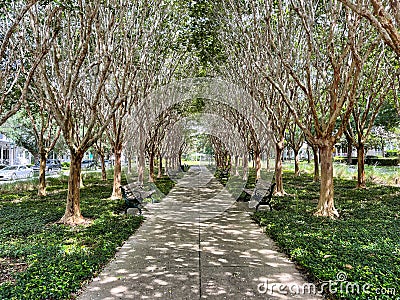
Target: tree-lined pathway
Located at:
point(190, 248)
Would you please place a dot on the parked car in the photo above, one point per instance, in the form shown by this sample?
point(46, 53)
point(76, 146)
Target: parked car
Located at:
point(2, 166)
point(15, 172)
point(88, 164)
point(51, 165)
point(107, 163)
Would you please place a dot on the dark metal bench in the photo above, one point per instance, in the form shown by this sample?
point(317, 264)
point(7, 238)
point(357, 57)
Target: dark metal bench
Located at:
point(262, 195)
point(134, 199)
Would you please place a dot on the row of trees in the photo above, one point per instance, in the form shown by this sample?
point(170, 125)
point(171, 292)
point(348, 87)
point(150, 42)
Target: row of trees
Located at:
point(322, 64)
point(78, 68)
point(88, 72)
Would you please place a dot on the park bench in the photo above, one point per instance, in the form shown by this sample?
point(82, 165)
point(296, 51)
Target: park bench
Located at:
point(134, 198)
point(261, 195)
point(173, 172)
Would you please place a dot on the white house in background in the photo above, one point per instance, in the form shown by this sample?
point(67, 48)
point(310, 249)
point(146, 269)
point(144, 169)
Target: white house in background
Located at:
point(10, 154)
point(289, 154)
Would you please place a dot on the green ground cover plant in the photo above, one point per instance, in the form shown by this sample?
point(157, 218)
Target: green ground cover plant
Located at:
point(164, 185)
point(40, 259)
point(363, 244)
point(222, 175)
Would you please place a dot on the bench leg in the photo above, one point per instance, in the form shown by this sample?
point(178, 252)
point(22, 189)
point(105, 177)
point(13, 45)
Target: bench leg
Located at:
point(267, 203)
point(139, 209)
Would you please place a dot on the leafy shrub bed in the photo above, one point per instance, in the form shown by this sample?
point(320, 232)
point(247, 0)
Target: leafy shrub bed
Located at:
point(162, 187)
point(65, 165)
point(383, 161)
point(58, 258)
point(392, 153)
point(391, 160)
point(343, 159)
point(364, 242)
point(222, 175)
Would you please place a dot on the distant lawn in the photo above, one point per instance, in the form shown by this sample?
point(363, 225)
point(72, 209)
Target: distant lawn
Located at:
point(364, 242)
point(389, 175)
point(40, 259)
point(195, 162)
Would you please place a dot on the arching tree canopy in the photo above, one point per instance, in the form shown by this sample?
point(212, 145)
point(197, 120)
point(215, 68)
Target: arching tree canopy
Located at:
point(250, 75)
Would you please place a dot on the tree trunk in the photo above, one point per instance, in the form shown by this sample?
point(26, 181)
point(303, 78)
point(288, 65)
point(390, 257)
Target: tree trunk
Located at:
point(308, 155)
point(166, 166)
point(296, 162)
point(141, 166)
point(151, 167)
point(129, 155)
point(103, 167)
point(160, 166)
point(72, 213)
point(42, 174)
point(232, 166)
point(257, 159)
point(279, 191)
point(141, 157)
point(236, 165)
point(316, 163)
point(349, 151)
point(116, 194)
point(361, 181)
point(326, 206)
point(245, 166)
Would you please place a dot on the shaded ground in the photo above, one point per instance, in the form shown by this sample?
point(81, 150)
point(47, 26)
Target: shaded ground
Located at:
point(8, 267)
point(197, 244)
point(360, 249)
point(40, 259)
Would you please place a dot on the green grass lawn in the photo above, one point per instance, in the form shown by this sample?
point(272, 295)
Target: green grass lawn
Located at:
point(40, 259)
point(374, 174)
point(364, 242)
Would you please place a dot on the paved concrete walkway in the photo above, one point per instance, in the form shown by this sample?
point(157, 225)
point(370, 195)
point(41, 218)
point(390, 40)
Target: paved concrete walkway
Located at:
point(198, 243)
